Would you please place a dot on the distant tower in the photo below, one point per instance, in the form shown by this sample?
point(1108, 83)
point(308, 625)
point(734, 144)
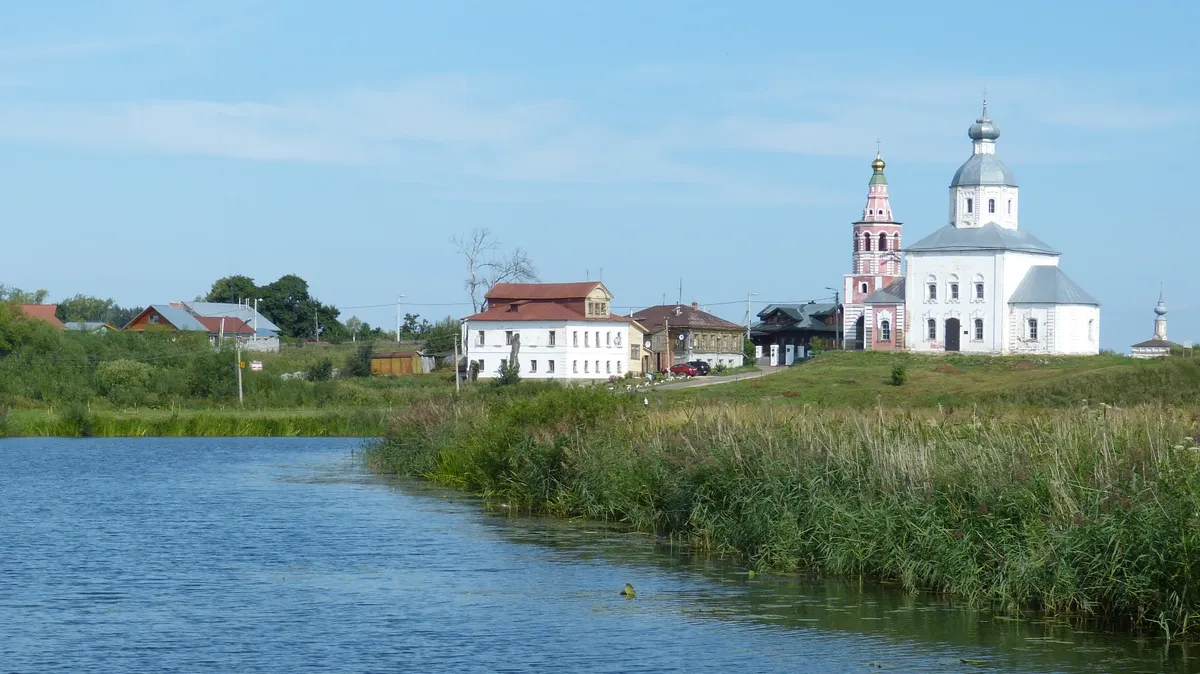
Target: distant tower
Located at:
point(876, 242)
point(1160, 317)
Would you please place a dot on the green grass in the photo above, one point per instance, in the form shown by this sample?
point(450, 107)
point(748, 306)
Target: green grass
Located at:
point(863, 379)
point(78, 421)
point(1085, 512)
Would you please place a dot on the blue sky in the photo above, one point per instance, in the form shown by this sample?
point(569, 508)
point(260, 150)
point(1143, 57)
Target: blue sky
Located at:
point(147, 148)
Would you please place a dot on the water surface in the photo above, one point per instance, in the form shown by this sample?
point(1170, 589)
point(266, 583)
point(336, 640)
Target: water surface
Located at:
point(282, 555)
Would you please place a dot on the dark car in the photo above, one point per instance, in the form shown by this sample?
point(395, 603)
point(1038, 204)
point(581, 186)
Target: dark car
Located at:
point(701, 366)
point(685, 368)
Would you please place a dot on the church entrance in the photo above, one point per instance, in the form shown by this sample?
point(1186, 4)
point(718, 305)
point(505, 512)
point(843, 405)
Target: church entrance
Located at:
point(859, 334)
point(953, 333)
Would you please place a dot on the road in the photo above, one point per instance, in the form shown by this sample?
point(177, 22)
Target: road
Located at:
point(711, 379)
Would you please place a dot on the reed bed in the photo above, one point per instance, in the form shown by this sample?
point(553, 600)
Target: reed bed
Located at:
point(1083, 512)
point(76, 421)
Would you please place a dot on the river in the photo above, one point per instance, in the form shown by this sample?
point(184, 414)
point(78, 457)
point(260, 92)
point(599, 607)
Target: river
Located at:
point(283, 555)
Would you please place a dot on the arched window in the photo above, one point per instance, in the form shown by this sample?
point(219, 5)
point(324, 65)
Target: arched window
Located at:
point(883, 242)
point(856, 244)
point(931, 288)
point(979, 329)
point(978, 282)
point(1010, 206)
point(1092, 330)
point(991, 205)
point(970, 205)
point(931, 326)
point(885, 330)
point(867, 241)
point(862, 288)
point(895, 242)
point(954, 287)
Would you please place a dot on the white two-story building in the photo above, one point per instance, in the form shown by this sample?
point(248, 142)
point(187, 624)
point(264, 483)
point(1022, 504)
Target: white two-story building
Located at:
point(562, 331)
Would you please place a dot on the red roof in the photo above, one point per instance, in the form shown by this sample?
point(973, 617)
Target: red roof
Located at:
point(541, 291)
point(681, 316)
point(233, 326)
point(42, 312)
point(539, 311)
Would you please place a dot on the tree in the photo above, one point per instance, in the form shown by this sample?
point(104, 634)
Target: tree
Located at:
point(358, 364)
point(86, 308)
point(287, 302)
point(440, 337)
point(232, 289)
point(354, 325)
point(11, 295)
point(485, 269)
point(410, 328)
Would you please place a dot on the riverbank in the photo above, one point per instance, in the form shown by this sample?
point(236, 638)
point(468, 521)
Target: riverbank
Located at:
point(1089, 512)
point(78, 421)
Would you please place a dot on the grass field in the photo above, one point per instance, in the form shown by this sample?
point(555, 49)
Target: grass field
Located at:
point(77, 421)
point(857, 379)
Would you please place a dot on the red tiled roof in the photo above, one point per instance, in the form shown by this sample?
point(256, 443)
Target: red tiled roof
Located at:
point(539, 311)
point(541, 291)
point(655, 317)
point(233, 326)
point(42, 312)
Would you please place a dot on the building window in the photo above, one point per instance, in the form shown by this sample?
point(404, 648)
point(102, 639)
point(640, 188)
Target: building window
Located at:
point(551, 342)
point(608, 367)
point(932, 289)
point(575, 367)
point(532, 366)
point(856, 244)
point(991, 205)
point(862, 288)
point(597, 346)
point(885, 330)
point(586, 365)
point(549, 367)
point(970, 205)
point(618, 367)
point(1010, 206)
point(597, 367)
point(617, 339)
point(508, 337)
point(979, 329)
point(867, 242)
point(978, 291)
point(575, 338)
point(587, 339)
point(608, 339)
point(932, 330)
point(954, 291)
point(1092, 330)
point(1033, 330)
point(154, 318)
point(482, 367)
point(480, 341)
point(503, 363)
point(895, 242)
point(883, 242)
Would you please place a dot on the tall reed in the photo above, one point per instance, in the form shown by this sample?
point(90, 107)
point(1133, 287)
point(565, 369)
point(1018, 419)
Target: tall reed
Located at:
point(1082, 512)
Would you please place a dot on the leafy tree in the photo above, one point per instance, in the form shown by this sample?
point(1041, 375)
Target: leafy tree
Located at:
point(86, 308)
point(748, 350)
point(410, 328)
point(18, 331)
point(124, 382)
point(358, 364)
point(287, 302)
point(232, 289)
point(441, 336)
point(13, 295)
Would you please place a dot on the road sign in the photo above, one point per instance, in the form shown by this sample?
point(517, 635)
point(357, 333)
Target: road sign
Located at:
point(256, 366)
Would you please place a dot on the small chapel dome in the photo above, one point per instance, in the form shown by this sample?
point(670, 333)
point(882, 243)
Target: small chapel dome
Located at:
point(1161, 309)
point(984, 128)
point(878, 164)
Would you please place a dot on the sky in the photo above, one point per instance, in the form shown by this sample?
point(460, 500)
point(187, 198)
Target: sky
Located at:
point(149, 148)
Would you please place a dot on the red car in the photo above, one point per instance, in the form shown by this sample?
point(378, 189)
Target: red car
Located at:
point(685, 368)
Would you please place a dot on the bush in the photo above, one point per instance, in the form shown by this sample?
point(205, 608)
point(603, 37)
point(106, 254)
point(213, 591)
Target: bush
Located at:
point(748, 351)
point(322, 370)
point(817, 345)
point(899, 374)
point(719, 369)
point(510, 374)
point(358, 364)
point(126, 383)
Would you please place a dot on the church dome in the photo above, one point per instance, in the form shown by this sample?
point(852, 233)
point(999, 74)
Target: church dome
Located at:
point(983, 169)
point(984, 128)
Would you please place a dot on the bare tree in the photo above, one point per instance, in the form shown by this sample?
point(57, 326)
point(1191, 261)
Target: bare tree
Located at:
point(485, 269)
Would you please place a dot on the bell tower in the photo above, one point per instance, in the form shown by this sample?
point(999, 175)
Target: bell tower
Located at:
point(875, 242)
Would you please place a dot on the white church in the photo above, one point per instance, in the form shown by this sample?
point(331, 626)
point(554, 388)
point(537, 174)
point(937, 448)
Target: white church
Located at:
point(980, 284)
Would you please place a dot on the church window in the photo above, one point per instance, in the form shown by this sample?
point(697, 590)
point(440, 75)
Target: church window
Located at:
point(991, 205)
point(883, 242)
point(575, 366)
point(885, 330)
point(1092, 330)
point(863, 287)
point(954, 291)
point(895, 242)
point(867, 241)
point(1010, 206)
point(979, 329)
point(1033, 330)
point(932, 327)
point(978, 290)
point(970, 205)
point(932, 291)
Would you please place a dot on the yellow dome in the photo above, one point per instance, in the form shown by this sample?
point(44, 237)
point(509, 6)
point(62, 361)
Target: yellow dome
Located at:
point(878, 163)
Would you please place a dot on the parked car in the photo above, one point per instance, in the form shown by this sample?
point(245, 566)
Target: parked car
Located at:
point(685, 368)
point(702, 366)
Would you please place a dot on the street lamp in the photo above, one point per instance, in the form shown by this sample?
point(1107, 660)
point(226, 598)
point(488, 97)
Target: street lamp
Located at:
point(837, 312)
point(748, 296)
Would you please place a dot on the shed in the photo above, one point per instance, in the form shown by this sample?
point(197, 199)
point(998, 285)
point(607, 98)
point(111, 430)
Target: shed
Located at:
point(397, 362)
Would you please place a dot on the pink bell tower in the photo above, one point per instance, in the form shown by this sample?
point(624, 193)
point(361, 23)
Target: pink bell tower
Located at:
point(875, 261)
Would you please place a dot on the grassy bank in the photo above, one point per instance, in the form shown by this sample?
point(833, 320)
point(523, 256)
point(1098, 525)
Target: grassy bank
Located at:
point(1084, 512)
point(77, 421)
point(864, 379)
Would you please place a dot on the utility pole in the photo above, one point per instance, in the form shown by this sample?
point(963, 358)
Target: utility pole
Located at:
point(680, 301)
point(748, 296)
point(839, 337)
point(241, 400)
point(457, 375)
point(667, 329)
point(316, 325)
point(256, 301)
point(398, 298)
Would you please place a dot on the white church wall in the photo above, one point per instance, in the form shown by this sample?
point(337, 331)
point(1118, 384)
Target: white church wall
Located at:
point(965, 269)
point(1026, 338)
point(1005, 213)
point(1077, 329)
